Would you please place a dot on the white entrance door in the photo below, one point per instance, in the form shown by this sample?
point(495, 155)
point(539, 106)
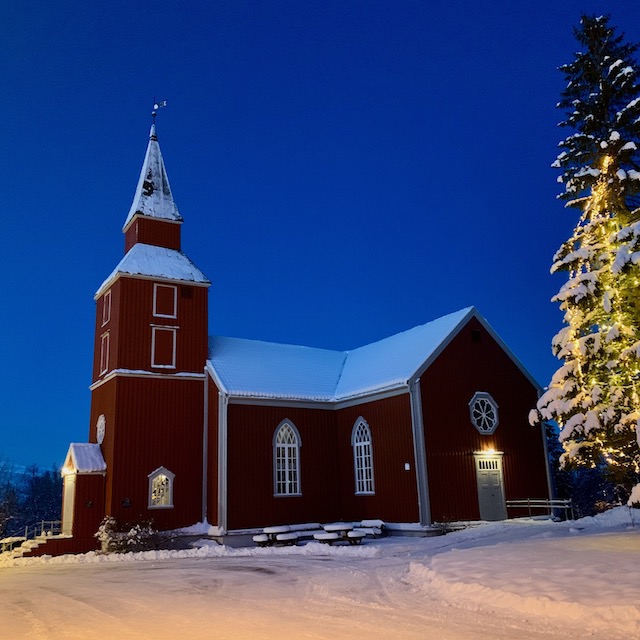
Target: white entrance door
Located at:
point(490, 486)
point(68, 501)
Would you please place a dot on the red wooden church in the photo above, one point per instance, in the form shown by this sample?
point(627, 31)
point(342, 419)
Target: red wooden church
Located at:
point(427, 425)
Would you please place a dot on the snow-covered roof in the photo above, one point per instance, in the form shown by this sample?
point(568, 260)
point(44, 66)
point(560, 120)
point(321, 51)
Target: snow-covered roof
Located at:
point(156, 262)
point(153, 196)
point(251, 368)
point(85, 457)
point(268, 370)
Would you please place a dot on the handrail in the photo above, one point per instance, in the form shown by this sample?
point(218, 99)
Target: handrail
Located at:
point(542, 503)
point(43, 528)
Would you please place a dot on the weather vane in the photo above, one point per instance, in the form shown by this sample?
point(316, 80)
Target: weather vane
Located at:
point(157, 104)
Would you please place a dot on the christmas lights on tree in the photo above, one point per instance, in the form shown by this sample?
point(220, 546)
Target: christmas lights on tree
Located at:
point(594, 395)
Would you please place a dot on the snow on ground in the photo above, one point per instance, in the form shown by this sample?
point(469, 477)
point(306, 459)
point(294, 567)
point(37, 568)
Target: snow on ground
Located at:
point(524, 579)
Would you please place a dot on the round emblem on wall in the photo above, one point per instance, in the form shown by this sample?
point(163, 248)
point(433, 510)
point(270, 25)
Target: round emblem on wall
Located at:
point(100, 428)
point(483, 411)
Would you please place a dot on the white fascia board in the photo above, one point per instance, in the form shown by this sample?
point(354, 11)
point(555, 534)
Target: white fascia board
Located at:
point(133, 373)
point(331, 405)
point(216, 378)
point(443, 345)
point(107, 284)
point(508, 351)
point(474, 313)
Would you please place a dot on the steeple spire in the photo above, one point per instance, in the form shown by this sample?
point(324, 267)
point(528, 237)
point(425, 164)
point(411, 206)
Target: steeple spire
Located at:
point(153, 198)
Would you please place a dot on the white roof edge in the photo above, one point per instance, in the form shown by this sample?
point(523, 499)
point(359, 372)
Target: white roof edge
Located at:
point(216, 378)
point(90, 461)
point(474, 313)
point(508, 351)
point(470, 313)
point(111, 280)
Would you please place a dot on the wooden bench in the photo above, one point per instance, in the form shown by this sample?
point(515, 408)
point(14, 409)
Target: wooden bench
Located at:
point(286, 534)
point(373, 528)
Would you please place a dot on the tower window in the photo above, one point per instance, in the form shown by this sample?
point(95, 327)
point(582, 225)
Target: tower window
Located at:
point(106, 308)
point(163, 347)
point(165, 301)
point(104, 353)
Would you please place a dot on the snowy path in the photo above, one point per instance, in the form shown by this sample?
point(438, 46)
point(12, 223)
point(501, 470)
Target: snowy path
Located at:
point(505, 580)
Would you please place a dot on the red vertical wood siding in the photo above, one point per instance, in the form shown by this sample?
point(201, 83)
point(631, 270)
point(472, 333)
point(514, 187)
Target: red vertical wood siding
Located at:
point(158, 422)
point(326, 465)
point(88, 505)
point(468, 365)
point(130, 327)
point(103, 402)
point(396, 497)
point(251, 500)
point(159, 233)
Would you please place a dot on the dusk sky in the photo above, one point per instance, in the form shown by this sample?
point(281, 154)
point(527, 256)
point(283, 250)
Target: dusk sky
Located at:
point(346, 170)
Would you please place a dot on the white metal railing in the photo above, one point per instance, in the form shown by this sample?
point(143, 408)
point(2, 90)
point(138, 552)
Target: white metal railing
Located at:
point(542, 503)
point(43, 528)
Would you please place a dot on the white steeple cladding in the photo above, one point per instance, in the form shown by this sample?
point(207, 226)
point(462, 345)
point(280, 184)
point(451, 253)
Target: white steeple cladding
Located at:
point(153, 194)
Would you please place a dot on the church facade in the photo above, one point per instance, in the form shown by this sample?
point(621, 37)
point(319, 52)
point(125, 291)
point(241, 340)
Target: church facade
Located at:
point(426, 426)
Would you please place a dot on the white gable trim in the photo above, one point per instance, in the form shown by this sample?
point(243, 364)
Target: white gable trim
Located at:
point(78, 463)
point(473, 313)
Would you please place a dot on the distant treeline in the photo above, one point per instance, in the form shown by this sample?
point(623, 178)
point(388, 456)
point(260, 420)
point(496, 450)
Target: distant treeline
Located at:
point(27, 497)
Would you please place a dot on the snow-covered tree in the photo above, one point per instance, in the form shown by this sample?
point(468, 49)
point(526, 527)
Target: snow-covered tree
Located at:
point(594, 395)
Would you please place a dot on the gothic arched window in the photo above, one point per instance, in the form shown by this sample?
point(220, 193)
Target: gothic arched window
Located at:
point(362, 456)
point(286, 459)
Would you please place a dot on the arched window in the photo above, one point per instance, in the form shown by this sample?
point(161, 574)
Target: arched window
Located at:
point(161, 489)
point(286, 459)
point(362, 457)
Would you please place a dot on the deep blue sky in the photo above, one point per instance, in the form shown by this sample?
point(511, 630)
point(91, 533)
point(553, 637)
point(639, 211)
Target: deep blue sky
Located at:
point(346, 170)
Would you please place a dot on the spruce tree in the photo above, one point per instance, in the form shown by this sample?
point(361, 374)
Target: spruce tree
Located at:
point(594, 395)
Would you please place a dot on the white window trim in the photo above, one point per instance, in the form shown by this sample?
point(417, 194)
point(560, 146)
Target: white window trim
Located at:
point(152, 476)
point(106, 307)
point(156, 286)
point(364, 486)
point(485, 398)
point(296, 448)
point(173, 331)
point(105, 347)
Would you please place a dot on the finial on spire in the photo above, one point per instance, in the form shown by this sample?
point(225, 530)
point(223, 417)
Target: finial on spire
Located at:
point(157, 104)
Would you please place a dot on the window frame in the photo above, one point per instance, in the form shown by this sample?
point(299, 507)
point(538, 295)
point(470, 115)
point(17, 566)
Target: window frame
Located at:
point(363, 471)
point(153, 476)
point(174, 333)
point(478, 413)
point(156, 286)
point(106, 308)
point(105, 346)
point(283, 483)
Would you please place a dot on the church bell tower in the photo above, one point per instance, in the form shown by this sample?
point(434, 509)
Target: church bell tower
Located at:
point(147, 402)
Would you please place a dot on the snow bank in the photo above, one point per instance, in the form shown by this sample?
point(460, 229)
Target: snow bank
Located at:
point(202, 549)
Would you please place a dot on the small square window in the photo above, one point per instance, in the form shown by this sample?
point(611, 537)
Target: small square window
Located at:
point(165, 299)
